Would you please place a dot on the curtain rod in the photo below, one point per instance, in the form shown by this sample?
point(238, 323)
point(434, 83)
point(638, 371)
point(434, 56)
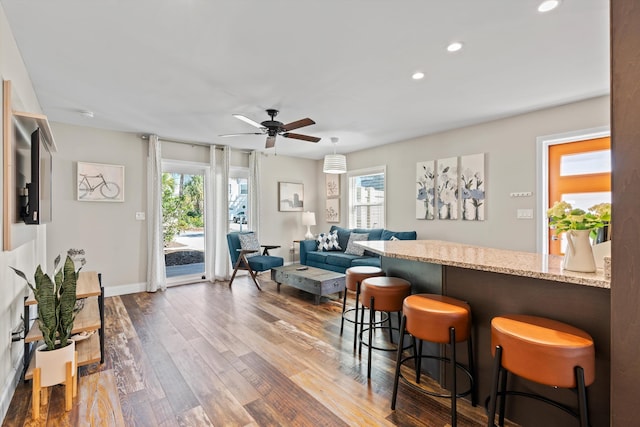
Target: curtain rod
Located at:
point(202, 144)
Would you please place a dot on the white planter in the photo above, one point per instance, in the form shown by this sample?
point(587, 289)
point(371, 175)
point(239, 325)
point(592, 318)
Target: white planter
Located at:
point(53, 363)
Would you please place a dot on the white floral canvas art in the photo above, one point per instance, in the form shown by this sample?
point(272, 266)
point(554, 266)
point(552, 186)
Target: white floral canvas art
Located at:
point(332, 211)
point(426, 187)
point(447, 188)
point(472, 179)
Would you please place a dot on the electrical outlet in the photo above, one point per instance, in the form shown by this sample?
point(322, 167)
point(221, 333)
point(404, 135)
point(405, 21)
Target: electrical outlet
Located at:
point(140, 216)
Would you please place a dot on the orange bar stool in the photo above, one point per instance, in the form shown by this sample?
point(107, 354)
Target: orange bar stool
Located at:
point(355, 276)
point(438, 319)
point(381, 294)
point(544, 351)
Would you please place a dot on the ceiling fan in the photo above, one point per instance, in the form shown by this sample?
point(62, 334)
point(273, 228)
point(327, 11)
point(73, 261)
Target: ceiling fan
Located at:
point(273, 128)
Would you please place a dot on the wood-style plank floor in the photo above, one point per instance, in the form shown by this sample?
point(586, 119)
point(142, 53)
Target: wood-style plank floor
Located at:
point(206, 354)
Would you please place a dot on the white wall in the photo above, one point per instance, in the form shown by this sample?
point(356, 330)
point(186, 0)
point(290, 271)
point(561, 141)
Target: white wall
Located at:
point(25, 257)
point(510, 145)
point(114, 241)
point(282, 228)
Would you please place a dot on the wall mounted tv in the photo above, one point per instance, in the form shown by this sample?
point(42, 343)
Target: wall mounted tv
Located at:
point(35, 196)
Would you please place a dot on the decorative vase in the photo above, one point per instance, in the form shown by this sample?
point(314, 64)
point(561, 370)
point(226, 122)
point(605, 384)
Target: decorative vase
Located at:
point(53, 363)
point(579, 254)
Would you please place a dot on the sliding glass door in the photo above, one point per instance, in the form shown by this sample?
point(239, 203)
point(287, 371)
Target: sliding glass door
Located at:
point(183, 210)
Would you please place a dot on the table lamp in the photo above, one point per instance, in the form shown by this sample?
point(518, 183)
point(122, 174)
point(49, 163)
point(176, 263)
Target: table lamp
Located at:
point(308, 219)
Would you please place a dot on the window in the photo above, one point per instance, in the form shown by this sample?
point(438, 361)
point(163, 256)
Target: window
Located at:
point(367, 198)
point(238, 199)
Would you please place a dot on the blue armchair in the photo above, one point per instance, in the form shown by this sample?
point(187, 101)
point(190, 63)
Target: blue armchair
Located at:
point(249, 258)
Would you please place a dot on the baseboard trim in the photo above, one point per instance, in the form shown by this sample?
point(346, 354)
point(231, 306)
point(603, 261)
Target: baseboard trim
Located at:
point(130, 288)
point(10, 387)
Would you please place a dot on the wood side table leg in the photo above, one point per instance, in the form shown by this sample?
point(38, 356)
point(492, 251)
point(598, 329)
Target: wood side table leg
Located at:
point(35, 394)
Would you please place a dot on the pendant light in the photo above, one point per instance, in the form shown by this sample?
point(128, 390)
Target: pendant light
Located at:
point(335, 163)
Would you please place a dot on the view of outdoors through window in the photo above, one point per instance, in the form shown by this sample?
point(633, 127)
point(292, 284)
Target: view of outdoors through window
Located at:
point(183, 223)
point(366, 200)
point(238, 204)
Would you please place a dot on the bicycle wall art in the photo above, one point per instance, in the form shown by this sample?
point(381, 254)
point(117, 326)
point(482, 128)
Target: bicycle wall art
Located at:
point(98, 182)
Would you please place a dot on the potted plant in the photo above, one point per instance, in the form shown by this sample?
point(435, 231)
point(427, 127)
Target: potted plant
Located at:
point(578, 225)
point(56, 298)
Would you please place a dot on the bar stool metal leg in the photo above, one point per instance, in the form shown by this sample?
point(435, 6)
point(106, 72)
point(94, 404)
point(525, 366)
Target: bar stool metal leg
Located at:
point(355, 325)
point(582, 397)
point(344, 307)
point(396, 378)
point(454, 378)
point(372, 316)
point(495, 379)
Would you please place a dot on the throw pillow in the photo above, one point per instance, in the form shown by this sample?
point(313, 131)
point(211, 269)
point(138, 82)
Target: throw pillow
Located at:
point(354, 249)
point(328, 241)
point(249, 241)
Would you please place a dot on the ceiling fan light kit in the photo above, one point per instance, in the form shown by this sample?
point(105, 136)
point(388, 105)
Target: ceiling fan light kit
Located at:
point(335, 163)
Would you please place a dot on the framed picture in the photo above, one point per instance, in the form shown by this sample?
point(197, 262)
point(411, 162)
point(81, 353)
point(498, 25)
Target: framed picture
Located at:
point(332, 185)
point(98, 182)
point(332, 210)
point(290, 197)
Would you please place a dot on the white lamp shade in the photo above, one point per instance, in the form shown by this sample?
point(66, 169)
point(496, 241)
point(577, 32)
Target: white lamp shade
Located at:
point(308, 218)
point(335, 163)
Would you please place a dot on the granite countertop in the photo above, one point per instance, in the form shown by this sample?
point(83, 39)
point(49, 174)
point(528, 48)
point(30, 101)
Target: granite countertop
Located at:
point(527, 264)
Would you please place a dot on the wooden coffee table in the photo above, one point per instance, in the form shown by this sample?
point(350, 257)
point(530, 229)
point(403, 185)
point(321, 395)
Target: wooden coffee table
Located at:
point(316, 281)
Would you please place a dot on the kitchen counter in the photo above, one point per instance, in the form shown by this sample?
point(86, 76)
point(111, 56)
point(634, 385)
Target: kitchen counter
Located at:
point(516, 263)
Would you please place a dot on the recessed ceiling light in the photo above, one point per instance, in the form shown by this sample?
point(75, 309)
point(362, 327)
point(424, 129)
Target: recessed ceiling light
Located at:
point(454, 47)
point(417, 75)
point(548, 5)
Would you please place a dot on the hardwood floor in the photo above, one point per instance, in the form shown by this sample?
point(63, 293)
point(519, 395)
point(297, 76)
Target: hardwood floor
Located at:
point(206, 354)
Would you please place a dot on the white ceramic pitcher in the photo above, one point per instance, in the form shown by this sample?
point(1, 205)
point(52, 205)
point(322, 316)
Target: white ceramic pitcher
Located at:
point(579, 253)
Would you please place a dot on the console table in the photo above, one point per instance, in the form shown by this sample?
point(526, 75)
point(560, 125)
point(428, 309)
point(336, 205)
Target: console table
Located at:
point(89, 318)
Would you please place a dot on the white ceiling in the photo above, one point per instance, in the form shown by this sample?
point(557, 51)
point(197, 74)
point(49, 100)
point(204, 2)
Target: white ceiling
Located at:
point(181, 68)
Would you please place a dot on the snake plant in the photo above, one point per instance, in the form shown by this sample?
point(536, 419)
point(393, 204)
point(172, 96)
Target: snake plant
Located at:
point(56, 299)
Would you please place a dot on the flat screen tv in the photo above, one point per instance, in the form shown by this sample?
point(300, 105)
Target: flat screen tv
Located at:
point(38, 207)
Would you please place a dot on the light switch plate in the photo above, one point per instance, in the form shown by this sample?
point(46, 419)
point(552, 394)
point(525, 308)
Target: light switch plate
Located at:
point(140, 216)
point(524, 214)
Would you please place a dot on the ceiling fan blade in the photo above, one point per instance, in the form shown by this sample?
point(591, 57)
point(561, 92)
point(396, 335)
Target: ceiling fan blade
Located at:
point(226, 135)
point(271, 141)
point(302, 137)
point(248, 120)
point(299, 124)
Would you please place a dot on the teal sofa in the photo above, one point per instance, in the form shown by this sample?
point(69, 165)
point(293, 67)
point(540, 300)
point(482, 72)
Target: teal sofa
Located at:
point(338, 260)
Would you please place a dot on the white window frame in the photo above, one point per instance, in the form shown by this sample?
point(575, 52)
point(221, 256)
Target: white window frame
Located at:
point(542, 166)
point(360, 172)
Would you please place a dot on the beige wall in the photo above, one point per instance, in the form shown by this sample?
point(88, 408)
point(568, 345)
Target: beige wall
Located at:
point(510, 147)
point(114, 241)
point(282, 228)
